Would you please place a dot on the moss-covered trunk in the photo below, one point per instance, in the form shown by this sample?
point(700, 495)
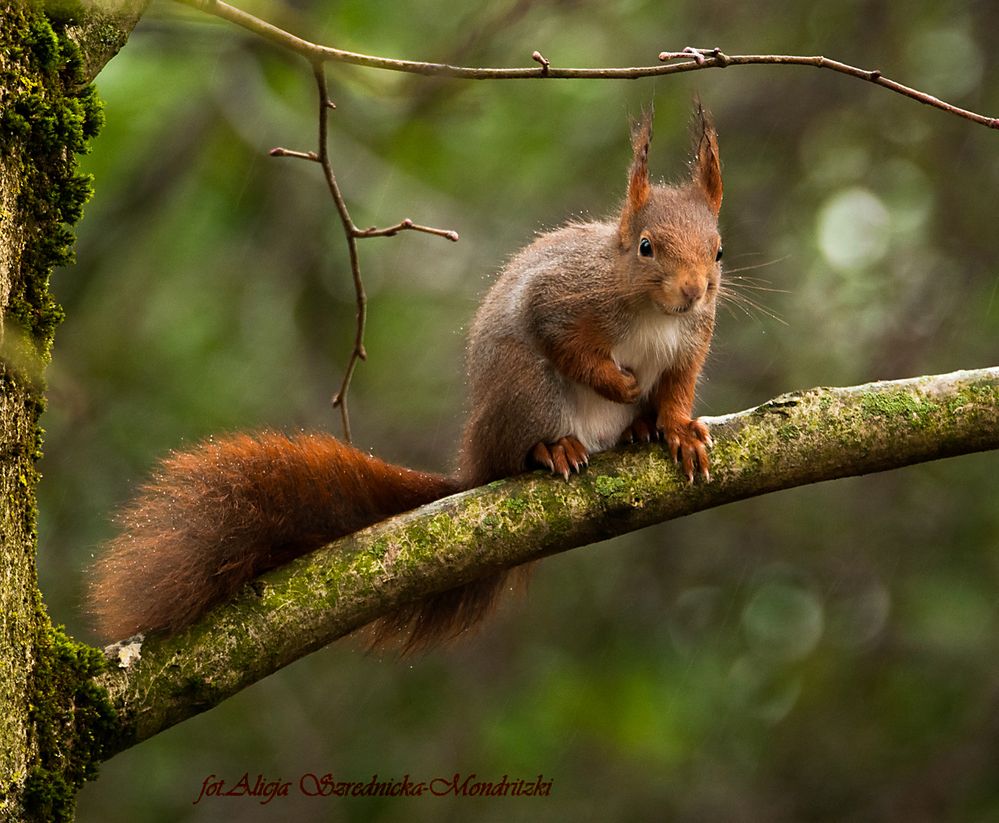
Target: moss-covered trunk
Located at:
point(50, 722)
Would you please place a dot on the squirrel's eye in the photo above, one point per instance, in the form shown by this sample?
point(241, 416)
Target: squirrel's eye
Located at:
point(719, 255)
point(645, 247)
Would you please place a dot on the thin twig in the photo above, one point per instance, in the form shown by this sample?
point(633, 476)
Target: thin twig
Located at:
point(277, 151)
point(715, 58)
point(546, 66)
point(353, 234)
point(350, 231)
point(712, 58)
point(407, 225)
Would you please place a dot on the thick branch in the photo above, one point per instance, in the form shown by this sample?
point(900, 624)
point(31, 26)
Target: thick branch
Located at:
point(103, 29)
point(699, 59)
point(793, 440)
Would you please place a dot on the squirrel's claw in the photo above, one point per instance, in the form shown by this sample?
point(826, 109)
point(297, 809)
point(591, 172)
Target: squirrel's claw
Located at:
point(565, 456)
point(575, 452)
point(541, 455)
point(642, 430)
point(688, 444)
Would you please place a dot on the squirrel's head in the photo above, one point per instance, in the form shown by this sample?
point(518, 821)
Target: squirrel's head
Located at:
point(669, 240)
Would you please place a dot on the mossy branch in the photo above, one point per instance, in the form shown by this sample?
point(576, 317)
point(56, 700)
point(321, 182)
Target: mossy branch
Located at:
point(792, 440)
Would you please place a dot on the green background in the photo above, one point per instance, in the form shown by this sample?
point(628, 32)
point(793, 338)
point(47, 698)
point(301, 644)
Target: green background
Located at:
point(827, 653)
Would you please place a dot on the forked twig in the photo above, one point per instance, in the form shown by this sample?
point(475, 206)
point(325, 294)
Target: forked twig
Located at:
point(352, 233)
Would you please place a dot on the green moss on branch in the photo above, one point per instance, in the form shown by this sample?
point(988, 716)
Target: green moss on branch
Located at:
point(796, 439)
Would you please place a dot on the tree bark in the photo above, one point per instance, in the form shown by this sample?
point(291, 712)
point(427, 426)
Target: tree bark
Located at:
point(100, 29)
point(49, 709)
point(792, 440)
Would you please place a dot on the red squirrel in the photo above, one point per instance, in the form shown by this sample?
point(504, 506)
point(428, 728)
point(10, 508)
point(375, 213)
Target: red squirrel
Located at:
point(593, 334)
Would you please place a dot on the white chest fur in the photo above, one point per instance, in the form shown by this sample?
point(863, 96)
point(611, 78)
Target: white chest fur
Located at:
point(652, 345)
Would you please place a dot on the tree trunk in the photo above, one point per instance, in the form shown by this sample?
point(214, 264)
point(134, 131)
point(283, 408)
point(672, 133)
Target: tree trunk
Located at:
point(51, 717)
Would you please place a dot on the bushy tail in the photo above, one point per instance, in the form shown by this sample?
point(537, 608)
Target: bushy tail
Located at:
point(212, 518)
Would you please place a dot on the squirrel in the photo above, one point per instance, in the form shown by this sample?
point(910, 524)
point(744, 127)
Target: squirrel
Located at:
point(593, 334)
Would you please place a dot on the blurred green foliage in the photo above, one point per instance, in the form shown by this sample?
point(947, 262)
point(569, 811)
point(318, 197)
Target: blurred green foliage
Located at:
point(822, 654)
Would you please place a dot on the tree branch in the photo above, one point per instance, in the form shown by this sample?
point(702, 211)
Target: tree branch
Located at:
point(698, 59)
point(102, 30)
point(792, 440)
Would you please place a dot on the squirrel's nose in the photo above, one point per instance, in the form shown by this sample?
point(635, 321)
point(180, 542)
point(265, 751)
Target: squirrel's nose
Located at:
point(692, 291)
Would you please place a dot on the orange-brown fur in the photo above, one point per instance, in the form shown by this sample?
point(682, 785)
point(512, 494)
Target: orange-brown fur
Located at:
point(583, 354)
point(213, 518)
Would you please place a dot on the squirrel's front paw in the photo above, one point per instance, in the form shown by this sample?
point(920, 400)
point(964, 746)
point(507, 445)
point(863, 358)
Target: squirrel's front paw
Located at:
point(688, 442)
point(564, 456)
point(618, 384)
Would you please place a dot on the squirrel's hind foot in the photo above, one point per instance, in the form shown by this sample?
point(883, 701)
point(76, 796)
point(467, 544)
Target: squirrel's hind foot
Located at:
point(565, 456)
point(642, 430)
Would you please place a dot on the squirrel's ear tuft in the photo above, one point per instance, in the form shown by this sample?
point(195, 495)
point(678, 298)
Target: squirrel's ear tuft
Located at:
point(707, 165)
point(639, 187)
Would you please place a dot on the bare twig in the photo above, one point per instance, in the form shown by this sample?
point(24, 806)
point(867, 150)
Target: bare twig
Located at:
point(715, 58)
point(546, 67)
point(277, 151)
point(408, 225)
point(352, 233)
point(712, 58)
